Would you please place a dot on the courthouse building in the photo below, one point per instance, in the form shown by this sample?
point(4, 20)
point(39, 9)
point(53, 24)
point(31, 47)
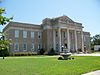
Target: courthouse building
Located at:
point(52, 33)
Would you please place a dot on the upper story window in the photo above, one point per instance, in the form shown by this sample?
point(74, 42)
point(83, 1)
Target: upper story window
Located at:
point(24, 34)
point(16, 33)
point(32, 34)
point(39, 34)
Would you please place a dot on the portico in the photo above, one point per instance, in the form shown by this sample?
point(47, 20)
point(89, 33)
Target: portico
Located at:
point(69, 38)
point(65, 32)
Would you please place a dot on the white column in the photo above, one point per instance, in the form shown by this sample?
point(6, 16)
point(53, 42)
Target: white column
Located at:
point(82, 41)
point(59, 33)
point(68, 39)
point(54, 40)
point(75, 40)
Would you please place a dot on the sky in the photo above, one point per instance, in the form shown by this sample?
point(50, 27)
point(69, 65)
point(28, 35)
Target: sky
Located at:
point(86, 12)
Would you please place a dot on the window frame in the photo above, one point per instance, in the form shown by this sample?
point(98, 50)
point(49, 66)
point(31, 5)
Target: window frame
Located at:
point(32, 47)
point(23, 47)
point(15, 47)
point(39, 35)
point(24, 34)
point(16, 33)
point(32, 34)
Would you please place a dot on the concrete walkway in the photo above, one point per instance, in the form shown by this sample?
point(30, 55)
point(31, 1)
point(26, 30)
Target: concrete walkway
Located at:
point(85, 54)
point(30, 57)
point(93, 73)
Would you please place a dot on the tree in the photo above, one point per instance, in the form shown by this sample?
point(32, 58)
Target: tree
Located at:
point(96, 39)
point(3, 19)
point(4, 44)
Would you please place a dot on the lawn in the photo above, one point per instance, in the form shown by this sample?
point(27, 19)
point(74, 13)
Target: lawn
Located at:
point(48, 66)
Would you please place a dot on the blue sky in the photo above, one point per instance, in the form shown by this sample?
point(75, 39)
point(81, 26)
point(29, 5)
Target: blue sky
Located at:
point(86, 12)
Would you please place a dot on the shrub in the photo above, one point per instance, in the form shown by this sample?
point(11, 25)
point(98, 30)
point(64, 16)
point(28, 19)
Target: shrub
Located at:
point(72, 57)
point(69, 58)
point(92, 48)
point(72, 51)
point(41, 51)
point(4, 52)
point(51, 52)
point(80, 50)
point(99, 49)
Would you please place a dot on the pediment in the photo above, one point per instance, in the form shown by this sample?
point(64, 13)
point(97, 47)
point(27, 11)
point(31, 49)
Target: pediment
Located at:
point(65, 19)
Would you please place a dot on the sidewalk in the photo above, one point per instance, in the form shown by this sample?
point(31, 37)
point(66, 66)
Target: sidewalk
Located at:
point(85, 54)
point(93, 73)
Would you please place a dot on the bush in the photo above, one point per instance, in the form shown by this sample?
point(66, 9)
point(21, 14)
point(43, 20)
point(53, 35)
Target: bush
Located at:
point(73, 58)
point(92, 48)
point(51, 52)
point(99, 49)
point(41, 51)
point(80, 50)
point(4, 52)
point(72, 51)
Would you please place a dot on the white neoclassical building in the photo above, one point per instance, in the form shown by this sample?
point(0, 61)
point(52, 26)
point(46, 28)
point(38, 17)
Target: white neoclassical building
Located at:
point(52, 33)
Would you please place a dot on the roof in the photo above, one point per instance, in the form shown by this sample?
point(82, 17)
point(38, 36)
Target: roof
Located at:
point(17, 24)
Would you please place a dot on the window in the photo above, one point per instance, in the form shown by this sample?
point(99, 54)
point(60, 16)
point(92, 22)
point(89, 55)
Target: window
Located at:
point(39, 34)
point(24, 34)
point(56, 34)
point(32, 34)
point(39, 46)
point(24, 46)
point(64, 34)
point(16, 46)
point(32, 46)
point(65, 45)
point(57, 47)
point(16, 33)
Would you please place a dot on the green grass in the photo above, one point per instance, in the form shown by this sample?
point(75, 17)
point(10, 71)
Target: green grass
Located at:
point(48, 66)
